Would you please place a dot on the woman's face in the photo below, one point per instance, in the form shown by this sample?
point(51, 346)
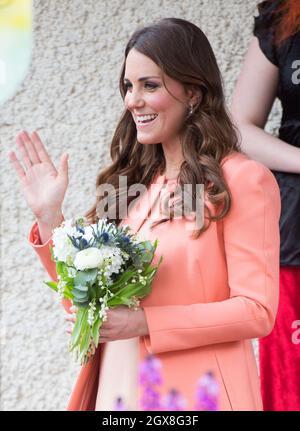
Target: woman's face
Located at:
point(157, 114)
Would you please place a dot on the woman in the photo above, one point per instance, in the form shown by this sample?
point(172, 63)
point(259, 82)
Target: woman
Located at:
point(217, 287)
point(272, 69)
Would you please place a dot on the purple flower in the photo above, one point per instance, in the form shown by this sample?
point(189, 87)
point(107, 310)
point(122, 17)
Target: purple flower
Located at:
point(150, 399)
point(207, 394)
point(174, 401)
point(119, 405)
point(150, 371)
point(149, 377)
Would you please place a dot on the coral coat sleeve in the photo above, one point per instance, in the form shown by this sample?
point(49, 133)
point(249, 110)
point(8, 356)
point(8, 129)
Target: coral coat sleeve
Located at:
point(251, 247)
point(43, 251)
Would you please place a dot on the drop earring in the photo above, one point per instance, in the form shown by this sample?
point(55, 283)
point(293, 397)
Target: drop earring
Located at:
point(191, 109)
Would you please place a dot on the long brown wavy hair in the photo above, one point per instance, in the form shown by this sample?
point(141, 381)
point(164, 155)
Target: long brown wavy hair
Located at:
point(182, 51)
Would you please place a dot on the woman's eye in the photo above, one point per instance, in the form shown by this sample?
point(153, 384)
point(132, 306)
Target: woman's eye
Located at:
point(151, 85)
point(148, 86)
point(127, 86)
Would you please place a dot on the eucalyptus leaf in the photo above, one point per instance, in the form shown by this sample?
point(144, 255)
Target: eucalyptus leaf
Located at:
point(80, 300)
point(84, 277)
point(81, 304)
point(80, 287)
point(78, 294)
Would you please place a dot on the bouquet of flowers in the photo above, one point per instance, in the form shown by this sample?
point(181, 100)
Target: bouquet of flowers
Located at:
point(99, 266)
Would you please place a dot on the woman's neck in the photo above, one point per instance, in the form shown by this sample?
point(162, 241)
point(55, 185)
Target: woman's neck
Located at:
point(174, 159)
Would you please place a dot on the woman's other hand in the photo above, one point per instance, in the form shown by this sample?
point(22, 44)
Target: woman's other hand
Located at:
point(42, 185)
point(123, 323)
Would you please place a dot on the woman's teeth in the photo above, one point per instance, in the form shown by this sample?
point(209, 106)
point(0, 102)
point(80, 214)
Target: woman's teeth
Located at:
point(146, 118)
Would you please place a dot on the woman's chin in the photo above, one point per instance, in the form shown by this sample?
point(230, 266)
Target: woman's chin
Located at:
point(146, 140)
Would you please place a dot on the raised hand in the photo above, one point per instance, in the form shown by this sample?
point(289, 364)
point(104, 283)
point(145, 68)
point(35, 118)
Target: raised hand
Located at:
point(42, 185)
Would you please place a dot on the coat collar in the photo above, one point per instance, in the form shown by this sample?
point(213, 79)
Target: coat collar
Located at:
point(141, 210)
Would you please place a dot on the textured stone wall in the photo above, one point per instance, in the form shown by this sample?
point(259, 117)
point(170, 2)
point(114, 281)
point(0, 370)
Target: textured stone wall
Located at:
point(70, 95)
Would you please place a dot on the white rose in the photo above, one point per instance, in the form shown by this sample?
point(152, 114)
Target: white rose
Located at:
point(88, 258)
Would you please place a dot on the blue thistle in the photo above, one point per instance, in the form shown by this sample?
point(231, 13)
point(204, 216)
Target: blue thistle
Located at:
point(105, 237)
point(84, 242)
point(126, 239)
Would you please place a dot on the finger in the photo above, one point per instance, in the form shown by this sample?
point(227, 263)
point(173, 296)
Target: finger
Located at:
point(63, 166)
point(40, 149)
point(17, 165)
point(24, 154)
point(107, 334)
point(105, 326)
point(31, 151)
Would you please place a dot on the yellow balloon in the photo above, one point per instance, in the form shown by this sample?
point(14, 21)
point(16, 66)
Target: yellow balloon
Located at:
point(15, 44)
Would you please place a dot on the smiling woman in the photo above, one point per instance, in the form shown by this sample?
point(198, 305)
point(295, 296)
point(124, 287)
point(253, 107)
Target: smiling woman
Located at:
point(215, 289)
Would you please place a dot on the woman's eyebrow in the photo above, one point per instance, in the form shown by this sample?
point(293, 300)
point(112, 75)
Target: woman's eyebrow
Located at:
point(144, 78)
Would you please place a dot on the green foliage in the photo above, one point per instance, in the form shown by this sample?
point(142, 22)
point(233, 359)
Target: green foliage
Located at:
point(88, 276)
point(84, 288)
point(52, 284)
point(75, 337)
point(95, 330)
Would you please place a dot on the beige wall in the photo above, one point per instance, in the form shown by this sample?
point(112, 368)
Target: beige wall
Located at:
point(70, 95)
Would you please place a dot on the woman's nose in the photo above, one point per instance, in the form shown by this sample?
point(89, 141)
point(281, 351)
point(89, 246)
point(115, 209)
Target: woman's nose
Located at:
point(134, 100)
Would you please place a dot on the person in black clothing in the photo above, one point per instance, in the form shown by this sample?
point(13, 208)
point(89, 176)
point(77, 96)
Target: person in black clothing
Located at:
point(272, 69)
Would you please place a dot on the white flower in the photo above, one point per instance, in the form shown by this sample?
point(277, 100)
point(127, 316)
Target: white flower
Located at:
point(61, 288)
point(89, 232)
point(91, 313)
point(71, 272)
point(88, 258)
point(63, 247)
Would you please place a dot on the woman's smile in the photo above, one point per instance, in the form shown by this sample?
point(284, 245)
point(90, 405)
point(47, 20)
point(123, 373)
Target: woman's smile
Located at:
point(145, 120)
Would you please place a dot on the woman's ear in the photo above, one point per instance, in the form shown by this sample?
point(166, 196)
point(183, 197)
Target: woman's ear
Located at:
point(194, 96)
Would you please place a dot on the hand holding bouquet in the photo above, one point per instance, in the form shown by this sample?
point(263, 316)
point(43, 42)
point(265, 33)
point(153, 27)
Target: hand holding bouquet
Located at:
point(99, 266)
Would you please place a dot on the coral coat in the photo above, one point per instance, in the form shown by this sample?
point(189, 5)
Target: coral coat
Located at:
point(210, 296)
